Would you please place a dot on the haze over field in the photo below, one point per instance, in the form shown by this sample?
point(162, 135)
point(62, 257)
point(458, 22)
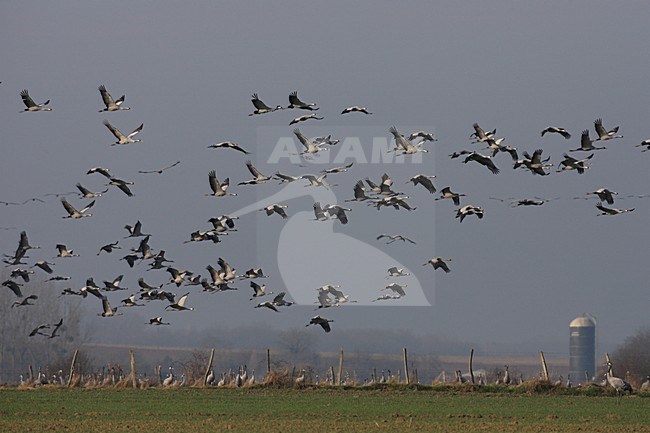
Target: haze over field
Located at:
point(519, 275)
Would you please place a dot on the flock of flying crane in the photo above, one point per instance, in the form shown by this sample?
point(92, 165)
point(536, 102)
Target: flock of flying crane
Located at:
point(377, 195)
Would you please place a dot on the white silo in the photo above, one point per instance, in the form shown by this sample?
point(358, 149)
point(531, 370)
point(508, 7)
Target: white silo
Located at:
point(582, 348)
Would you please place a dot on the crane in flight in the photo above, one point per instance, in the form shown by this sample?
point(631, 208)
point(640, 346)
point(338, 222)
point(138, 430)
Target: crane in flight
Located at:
point(397, 272)
point(31, 105)
point(279, 300)
point(439, 263)
point(74, 213)
point(219, 189)
point(322, 322)
point(121, 138)
point(571, 163)
point(310, 146)
point(425, 136)
point(355, 109)
point(586, 143)
point(159, 170)
point(108, 248)
point(259, 291)
point(107, 310)
point(554, 129)
point(604, 194)
point(65, 252)
point(425, 181)
point(611, 211)
point(258, 177)
point(86, 193)
point(397, 289)
point(110, 103)
point(447, 193)
point(267, 304)
point(305, 117)
point(261, 107)
point(480, 134)
point(135, 231)
point(275, 208)
point(393, 238)
point(229, 145)
point(180, 305)
point(469, 210)
point(295, 102)
point(484, 160)
point(14, 287)
point(604, 134)
point(404, 145)
point(157, 321)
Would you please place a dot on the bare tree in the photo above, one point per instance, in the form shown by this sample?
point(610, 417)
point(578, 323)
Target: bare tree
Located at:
point(83, 364)
point(300, 344)
point(42, 350)
point(194, 366)
point(633, 356)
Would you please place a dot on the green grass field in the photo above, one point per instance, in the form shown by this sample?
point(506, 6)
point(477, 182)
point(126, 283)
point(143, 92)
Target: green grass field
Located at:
point(184, 410)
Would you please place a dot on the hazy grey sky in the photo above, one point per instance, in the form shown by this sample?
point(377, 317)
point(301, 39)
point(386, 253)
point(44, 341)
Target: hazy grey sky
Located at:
point(188, 72)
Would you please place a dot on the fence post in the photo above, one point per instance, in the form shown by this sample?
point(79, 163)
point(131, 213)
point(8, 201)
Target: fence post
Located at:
point(406, 365)
point(208, 368)
point(74, 361)
point(544, 367)
point(471, 370)
point(134, 374)
point(339, 376)
point(268, 361)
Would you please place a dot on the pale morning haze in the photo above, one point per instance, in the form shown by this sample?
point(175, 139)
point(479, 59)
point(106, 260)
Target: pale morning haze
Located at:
point(519, 274)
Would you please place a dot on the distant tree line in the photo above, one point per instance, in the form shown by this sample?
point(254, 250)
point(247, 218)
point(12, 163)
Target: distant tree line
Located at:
point(17, 349)
point(632, 358)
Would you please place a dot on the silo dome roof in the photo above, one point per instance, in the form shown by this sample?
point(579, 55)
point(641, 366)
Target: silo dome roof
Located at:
point(582, 322)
